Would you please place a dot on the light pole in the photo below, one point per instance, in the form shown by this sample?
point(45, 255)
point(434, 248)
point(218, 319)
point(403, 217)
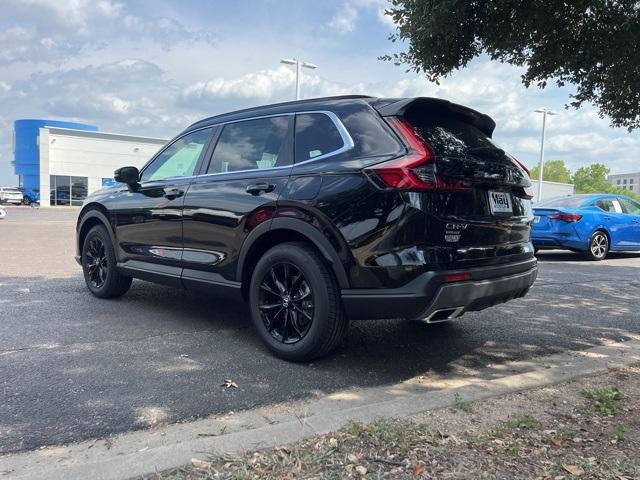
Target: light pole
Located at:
point(298, 63)
point(544, 113)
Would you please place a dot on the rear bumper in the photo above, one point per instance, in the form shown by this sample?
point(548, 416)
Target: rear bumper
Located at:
point(558, 242)
point(429, 298)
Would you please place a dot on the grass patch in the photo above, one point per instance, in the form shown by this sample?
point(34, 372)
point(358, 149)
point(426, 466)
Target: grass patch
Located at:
point(519, 421)
point(461, 404)
point(605, 400)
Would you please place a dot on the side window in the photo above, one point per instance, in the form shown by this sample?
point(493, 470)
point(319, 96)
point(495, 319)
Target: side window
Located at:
point(316, 135)
point(631, 206)
point(605, 204)
point(179, 159)
point(252, 144)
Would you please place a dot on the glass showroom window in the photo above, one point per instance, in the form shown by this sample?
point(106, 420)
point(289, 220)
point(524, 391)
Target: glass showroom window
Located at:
point(67, 190)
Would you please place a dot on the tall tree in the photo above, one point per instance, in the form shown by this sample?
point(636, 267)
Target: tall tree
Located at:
point(554, 171)
point(590, 43)
point(592, 179)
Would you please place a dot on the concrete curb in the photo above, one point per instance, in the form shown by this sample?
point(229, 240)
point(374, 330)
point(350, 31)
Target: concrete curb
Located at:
point(144, 452)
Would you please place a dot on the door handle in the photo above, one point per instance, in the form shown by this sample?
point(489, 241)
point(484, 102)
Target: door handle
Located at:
point(257, 188)
point(607, 217)
point(172, 193)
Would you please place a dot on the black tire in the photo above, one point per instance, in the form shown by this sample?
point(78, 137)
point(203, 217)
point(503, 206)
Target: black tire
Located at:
point(26, 201)
point(598, 246)
point(281, 311)
point(99, 265)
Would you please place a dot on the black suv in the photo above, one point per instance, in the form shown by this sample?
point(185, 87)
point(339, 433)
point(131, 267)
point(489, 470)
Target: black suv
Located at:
point(322, 210)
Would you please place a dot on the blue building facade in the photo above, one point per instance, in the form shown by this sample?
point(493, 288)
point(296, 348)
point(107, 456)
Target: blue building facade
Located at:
point(26, 160)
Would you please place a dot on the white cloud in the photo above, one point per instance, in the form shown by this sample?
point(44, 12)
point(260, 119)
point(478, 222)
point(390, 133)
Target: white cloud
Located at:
point(344, 21)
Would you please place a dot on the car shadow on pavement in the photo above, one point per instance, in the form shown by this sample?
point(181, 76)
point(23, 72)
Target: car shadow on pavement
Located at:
point(75, 367)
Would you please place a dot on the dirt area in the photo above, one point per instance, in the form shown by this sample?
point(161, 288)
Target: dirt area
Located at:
point(588, 428)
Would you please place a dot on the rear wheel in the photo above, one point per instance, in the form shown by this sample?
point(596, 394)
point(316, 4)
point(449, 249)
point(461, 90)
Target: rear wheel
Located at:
point(598, 246)
point(295, 303)
point(99, 265)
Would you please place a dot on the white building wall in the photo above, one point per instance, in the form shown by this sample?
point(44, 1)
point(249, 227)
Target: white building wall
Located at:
point(551, 190)
point(94, 155)
point(626, 181)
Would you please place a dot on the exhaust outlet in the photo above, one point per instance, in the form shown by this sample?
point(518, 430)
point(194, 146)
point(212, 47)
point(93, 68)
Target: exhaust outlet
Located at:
point(444, 315)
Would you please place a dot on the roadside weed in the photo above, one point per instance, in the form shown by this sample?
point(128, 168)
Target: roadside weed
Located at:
point(462, 404)
point(605, 399)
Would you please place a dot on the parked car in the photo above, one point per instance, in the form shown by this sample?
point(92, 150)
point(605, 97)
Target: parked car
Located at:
point(30, 196)
point(3, 212)
point(319, 211)
point(593, 224)
point(10, 195)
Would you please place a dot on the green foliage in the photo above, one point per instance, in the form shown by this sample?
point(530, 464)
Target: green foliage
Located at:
point(592, 179)
point(590, 44)
point(605, 400)
point(461, 404)
point(554, 171)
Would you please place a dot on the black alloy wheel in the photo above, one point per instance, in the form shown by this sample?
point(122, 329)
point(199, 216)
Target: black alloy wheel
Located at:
point(286, 303)
point(99, 265)
point(96, 262)
point(295, 303)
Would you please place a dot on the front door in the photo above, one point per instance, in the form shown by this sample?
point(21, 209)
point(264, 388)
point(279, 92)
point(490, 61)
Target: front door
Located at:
point(237, 191)
point(632, 219)
point(148, 219)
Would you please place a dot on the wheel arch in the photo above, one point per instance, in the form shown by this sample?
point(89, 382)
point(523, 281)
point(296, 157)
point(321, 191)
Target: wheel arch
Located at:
point(281, 230)
point(91, 215)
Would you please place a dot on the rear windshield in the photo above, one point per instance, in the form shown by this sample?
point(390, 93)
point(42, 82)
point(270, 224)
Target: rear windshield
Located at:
point(453, 137)
point(562, 202)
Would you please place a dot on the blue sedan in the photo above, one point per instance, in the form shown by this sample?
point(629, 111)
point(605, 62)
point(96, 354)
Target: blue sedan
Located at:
point(594, 224)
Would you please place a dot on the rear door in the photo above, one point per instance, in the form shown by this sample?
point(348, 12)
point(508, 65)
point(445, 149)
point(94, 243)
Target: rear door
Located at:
point(236, 191)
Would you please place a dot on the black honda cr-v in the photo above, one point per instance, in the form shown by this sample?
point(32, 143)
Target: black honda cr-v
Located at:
point(319, 211)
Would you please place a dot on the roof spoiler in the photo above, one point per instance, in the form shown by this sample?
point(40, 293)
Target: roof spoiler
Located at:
point(399, 107)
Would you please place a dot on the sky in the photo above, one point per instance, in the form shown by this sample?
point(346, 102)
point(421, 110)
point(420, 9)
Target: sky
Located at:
point(152, 68)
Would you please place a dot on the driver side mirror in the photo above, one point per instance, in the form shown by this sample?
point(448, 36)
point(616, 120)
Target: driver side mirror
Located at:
point(128, 175)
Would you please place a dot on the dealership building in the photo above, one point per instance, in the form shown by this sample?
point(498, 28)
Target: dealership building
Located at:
point(66, 161)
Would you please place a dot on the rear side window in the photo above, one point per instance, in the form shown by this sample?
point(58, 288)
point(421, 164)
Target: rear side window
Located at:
point(609, 205)
point(252, 144)
point(316, 135)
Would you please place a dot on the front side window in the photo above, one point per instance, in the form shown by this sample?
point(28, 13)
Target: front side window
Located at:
point(179, 159)
point(252, 144)
point(631, 206)
point(316, 135)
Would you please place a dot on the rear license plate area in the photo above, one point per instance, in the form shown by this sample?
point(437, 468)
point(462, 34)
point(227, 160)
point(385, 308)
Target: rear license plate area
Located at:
point(500, 202)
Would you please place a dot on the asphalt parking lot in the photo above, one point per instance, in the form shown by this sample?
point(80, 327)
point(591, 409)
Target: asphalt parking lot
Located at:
point(74, 367)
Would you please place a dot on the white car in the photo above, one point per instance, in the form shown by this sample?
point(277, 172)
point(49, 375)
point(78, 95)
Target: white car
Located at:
point(10, 195)
point(3, 213)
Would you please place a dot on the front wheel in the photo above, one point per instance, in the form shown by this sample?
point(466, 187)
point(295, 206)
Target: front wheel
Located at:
point(598, 246)
point(99, 265)
point(295, 303)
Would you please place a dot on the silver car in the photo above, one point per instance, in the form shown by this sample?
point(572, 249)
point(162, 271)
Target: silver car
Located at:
point(10, 195)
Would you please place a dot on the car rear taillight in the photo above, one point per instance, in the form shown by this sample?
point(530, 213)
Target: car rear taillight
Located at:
point(521, 165)
point(417, 169)
point(566, 217)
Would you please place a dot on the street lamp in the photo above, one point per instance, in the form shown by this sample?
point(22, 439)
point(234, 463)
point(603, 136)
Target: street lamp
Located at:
point(544, 113)
point(298, 63)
